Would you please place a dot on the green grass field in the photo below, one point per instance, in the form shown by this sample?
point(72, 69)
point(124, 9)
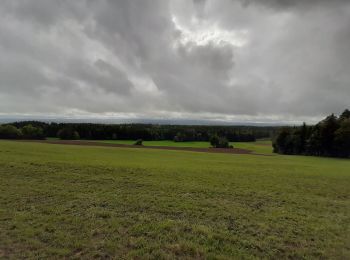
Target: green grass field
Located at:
point(263, 146)
point(61, 201)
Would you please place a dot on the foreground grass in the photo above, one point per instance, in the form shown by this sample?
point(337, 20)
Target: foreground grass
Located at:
point(72, 201)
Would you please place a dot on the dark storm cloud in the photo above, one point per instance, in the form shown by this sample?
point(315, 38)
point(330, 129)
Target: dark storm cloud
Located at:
point(239, 60)
point(294, 3)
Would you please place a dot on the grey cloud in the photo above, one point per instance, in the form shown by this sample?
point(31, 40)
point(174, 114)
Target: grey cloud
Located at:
point(116, 80)
point(99, 75)
point(44, 13)
point(130, 57)
point(216, 59)
point(293, 3)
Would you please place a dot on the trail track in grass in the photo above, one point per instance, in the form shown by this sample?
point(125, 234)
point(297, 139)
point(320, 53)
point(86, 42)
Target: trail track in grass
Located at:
point(189, 149)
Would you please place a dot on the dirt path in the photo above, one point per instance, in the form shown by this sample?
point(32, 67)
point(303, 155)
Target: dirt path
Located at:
point(190, 149)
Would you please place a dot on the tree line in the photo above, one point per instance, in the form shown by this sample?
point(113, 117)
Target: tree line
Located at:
point(148, 132)
point(329, 137)
point(26, 132)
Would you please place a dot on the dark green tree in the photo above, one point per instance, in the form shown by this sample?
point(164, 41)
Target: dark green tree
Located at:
point(342, 139)
point(68, 134)
point(345, 115)
point(32, 132)
point(330, 137)
point(283, 142)
point(314, 143)
point(138, 142)
point(9, 132)
point(219, 142)
point(327, 133)
point(214, 140)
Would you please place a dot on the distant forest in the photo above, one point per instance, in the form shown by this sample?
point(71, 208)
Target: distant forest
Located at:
point(330, 137)
point(178, 133)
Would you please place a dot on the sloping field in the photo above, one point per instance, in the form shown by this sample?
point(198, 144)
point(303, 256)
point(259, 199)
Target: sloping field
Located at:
point(262, 146)
point(82, 201)
point(197, 146)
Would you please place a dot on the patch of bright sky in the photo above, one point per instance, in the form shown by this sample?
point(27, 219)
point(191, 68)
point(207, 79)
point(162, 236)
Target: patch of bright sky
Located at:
point(202, 33)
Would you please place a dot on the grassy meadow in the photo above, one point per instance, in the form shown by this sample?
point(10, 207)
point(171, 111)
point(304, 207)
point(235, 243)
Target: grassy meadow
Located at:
point(62, 201)
point(263, 146)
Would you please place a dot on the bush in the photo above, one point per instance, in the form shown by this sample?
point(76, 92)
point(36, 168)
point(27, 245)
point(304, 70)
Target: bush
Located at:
point(10, 132)
point(31, 132)
point(68, 134)
point(219, 142)
point(138, 142)
point(177, 138)
point(214, 140)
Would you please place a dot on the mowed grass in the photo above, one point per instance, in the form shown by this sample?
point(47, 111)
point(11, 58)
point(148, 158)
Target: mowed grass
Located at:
point(61, 201)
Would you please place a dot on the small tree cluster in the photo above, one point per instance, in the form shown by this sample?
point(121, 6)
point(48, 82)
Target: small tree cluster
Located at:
point(219, 142)
point(26, 132)
point(330, 137)
point(138, 142)
point(10, 132)
point(68, 134)
point(32, 132)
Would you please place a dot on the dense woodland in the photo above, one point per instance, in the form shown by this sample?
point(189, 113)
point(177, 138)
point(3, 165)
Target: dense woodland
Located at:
point(178, 133)
point(330, 137)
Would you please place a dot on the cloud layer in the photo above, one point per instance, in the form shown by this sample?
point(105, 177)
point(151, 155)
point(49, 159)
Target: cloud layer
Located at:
point(239, 60)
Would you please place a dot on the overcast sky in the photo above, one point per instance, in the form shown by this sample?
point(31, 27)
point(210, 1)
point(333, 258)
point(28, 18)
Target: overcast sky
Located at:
point(237, 60)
